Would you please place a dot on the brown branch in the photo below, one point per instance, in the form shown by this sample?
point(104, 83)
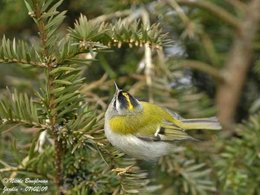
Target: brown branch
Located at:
point(237, 65)
point(213, 9)
point(203, 67)
point(54, 131)
point(40, 25)
point(58, 164)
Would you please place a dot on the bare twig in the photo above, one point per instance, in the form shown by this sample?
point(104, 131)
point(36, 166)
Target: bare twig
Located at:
point(213, 9)
point(179, 11)
point(189, 24)
point(9, 169)
point(148, 57)
point(237, 4)
point(203, 67)
point(94, 85)
point(117, 14)
point(96, 99)
point(209, 48)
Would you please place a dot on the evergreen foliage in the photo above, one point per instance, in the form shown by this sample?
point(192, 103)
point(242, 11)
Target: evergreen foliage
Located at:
point(59, 111)
point(239, 163)
point(52, 128)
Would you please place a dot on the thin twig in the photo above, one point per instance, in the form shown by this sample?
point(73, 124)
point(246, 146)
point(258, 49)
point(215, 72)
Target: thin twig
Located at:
point(213, 9)
point(209, 48)
point(148, 57)
point(179, 11)
point(203, 67)
point(133, 16)
point(94, 85)
point(116, 14)
point(237, 4)
point(40, 64)
point(8, 169)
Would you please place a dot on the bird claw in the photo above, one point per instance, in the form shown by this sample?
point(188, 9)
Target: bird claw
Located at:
point(122, 171)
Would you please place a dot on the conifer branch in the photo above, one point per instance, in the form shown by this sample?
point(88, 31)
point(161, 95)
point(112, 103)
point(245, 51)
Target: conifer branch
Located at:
point(238, 163)
point(17, 108)
point(47, 25)
point(93, 35)
point(194, 176)
point(41, 25)
point(61, 109)
point(19, 52)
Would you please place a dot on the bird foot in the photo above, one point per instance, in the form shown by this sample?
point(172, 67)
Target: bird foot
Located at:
point(122, 171)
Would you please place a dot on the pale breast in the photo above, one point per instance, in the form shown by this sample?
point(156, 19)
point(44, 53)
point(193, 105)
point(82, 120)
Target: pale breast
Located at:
point(135, 147)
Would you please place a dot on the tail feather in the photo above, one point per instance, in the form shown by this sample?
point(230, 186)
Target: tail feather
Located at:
point(202, 123)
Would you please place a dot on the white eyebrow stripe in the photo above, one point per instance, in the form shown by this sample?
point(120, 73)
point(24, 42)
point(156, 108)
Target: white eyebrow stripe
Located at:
point(117, 105)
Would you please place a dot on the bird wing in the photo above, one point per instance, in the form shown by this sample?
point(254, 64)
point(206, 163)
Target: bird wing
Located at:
point(165, 131)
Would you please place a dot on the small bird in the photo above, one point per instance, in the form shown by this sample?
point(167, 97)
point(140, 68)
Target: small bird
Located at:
point(147, 131)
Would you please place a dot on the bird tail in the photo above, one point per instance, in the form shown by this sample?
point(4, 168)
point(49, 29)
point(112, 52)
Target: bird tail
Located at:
point(202, 123)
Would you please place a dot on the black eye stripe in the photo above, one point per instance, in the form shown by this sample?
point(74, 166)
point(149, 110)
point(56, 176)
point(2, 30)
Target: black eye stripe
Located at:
point(122, 99)
point(126, 100)
point(114, 103)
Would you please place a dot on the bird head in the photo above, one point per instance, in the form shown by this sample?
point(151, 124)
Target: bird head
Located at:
point(124, 103)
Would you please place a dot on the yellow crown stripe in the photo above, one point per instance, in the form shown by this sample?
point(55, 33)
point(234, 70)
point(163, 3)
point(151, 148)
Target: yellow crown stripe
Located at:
point(130, 105)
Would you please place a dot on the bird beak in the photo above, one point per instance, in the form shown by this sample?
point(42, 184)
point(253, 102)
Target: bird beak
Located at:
point(117, 89)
